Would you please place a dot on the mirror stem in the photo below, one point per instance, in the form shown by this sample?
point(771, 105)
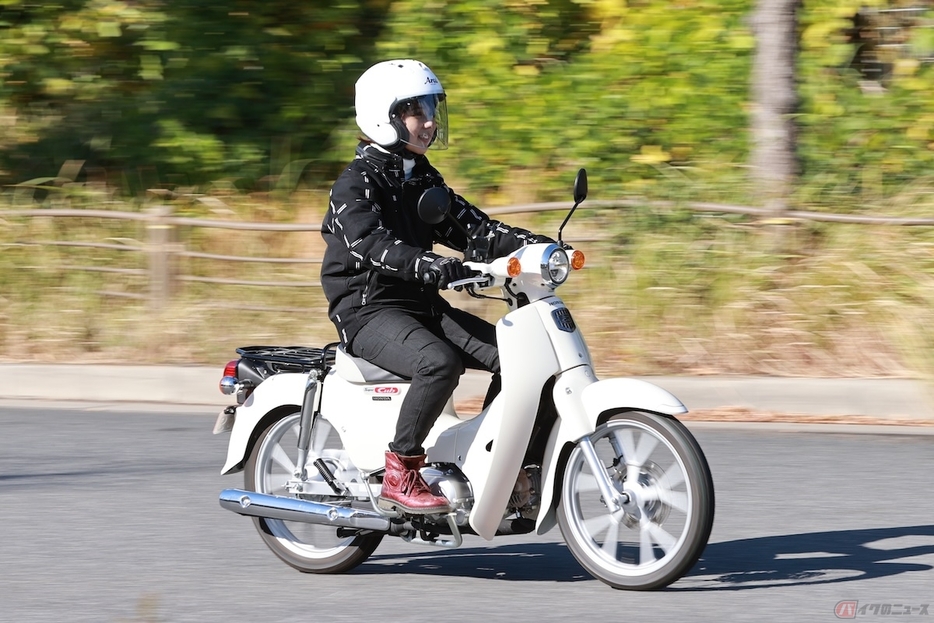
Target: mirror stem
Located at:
point(566, 219)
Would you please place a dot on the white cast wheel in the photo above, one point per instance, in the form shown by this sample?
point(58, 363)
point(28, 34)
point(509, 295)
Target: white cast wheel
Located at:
point(659, 532)
point(308, 547)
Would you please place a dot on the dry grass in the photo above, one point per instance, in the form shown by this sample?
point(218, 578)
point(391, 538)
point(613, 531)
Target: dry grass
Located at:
point(668, 294)
point(855, 303)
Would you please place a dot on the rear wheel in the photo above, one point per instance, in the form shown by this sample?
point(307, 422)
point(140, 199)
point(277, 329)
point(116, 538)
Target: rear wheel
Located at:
point(310, 548)
point(662, 476)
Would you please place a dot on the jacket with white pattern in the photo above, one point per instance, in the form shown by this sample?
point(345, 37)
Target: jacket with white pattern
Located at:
point(378, 249)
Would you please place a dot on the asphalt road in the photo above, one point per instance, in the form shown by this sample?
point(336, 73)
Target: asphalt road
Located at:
point(108, 515)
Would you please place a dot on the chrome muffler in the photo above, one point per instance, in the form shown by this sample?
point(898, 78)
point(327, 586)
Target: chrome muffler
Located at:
point(293, 509)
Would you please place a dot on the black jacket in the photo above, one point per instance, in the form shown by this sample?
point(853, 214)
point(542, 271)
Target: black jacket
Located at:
point(379, 250)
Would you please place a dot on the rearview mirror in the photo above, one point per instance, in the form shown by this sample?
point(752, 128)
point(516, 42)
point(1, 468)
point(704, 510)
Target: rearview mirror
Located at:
point(580, 186)
point(580, 193)
point(433, 205)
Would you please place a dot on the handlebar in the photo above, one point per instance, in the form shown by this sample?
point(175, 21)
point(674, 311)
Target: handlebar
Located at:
point(497, 272)
point(485, 278)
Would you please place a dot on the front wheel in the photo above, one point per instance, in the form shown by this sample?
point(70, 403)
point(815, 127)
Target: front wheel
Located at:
point(666, 505)
point(310, 548)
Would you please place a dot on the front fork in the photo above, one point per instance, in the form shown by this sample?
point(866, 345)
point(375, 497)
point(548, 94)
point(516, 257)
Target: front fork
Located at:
point(614, 500)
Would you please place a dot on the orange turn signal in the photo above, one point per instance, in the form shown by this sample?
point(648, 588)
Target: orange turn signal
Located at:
point(513, 267)
point(577, 260)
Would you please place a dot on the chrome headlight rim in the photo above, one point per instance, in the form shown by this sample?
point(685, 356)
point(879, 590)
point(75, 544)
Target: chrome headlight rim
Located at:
point(557, 267)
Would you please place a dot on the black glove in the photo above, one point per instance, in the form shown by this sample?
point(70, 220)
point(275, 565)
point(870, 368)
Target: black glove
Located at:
point(444, 270)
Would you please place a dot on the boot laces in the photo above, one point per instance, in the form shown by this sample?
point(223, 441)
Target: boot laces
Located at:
point(413, 483)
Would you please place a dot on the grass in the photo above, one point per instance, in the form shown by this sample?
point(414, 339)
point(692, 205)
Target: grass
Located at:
point(669, 292)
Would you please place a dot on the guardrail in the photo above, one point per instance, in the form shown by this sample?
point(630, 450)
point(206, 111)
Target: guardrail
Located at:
point(162, 249)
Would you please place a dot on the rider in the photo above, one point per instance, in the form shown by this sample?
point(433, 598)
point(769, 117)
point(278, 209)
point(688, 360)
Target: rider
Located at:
point(381, 277)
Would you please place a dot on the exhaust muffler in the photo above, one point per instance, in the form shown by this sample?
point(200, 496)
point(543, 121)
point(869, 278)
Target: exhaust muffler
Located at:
point(293, 509)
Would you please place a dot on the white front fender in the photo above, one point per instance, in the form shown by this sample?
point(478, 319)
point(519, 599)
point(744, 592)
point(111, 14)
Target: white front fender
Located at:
point(630, 395)
point(287, 388)
point(578, 417)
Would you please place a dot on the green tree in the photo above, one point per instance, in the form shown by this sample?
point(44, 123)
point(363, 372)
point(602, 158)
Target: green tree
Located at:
point(862, 137)
point(199, 90)
point(628, 88)
point(652, 96)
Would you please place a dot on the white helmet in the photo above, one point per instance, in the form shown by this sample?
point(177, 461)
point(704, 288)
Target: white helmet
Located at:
point(390, 86)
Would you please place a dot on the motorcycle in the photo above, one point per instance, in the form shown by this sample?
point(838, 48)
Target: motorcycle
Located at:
point(606, 460)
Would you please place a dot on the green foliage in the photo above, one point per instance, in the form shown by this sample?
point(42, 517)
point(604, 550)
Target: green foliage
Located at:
point(652, 96)
point(197, 90)
point(552, 85)
point(861, 138)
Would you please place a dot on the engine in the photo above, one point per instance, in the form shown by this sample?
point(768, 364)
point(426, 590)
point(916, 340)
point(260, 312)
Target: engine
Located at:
point(449, 481)
point(526, 495)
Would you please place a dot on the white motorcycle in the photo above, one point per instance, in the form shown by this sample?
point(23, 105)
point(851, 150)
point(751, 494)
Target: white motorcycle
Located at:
point(606, 460)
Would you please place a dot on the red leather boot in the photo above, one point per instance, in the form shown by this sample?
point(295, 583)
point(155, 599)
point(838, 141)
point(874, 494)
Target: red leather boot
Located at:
point(405, 489)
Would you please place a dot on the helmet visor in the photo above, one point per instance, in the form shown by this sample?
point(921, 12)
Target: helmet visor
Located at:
point(433, 108)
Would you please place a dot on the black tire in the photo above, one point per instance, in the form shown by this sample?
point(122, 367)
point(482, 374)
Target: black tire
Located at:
point(310, 548)
point(657, 537)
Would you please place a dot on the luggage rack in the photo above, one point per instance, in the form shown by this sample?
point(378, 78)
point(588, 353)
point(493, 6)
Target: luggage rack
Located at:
point(290, 358)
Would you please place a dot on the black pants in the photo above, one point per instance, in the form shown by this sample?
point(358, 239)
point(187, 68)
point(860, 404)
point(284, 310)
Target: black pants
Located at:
point(433, 353)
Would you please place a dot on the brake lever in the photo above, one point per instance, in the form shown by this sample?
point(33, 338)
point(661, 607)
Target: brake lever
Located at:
point(460, 283)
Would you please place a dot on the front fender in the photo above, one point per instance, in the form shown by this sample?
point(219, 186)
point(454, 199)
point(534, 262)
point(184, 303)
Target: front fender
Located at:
point(630, 395)
point(579, 417)
point(287, 388)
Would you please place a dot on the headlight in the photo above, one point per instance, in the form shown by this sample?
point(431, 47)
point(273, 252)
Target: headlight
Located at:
point(557, 268)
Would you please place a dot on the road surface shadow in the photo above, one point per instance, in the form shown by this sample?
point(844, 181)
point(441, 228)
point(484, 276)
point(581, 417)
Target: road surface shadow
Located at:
point(811, 558)
point(764, 562)
point(519, 562)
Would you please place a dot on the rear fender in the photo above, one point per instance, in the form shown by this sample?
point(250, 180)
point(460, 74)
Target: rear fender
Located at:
point(276, 395)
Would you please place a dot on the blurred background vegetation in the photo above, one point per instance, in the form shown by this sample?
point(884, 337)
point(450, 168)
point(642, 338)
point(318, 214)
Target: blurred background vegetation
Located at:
point(243, 111)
